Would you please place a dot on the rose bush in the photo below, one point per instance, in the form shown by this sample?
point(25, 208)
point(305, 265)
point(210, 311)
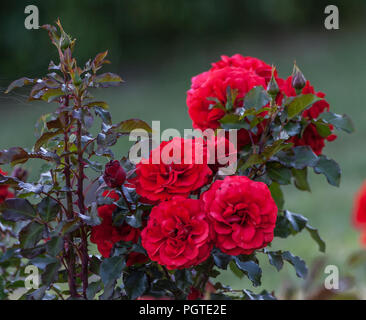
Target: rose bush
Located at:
point(165, 227)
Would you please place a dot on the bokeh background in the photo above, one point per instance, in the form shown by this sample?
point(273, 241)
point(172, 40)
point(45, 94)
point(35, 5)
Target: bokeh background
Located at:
point(158, 45)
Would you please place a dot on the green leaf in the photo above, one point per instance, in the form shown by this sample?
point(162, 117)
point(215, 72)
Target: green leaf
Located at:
point(277, 194)
point(316, 237)
point(103, 114)
point(48, 209)
point(330, 169)
point(251, 269)
point(264, 295)
point(44, 138)
point(300, 103)
point(18, 209)
point(43, 262)
point(183, 279)
point(37, 294)
point(322, 128)
point(275, 259)
point(108, 79)
point(256, 98)
point(54, 246)
point(30, 235)
point(70, 226)
point(20, 83)
point(282, 175)
point(297, 221)
point(136, 284)
point(49, 275)
point(221, 259)
point(125, 127)
point(301, 179)
point(52, 94)
point(13, 154)
point(299, 264)
point(342, 122)
point(93, 289)
point(303, 156)
point(111, 269)
point(99, 104)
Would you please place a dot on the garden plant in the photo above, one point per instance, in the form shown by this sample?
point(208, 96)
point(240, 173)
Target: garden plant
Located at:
point(99, 226)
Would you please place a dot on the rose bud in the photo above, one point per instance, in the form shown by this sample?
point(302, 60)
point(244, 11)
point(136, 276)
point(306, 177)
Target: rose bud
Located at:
point(20, 173)
point(272, 87)
point(114, 175)
point(298, 79)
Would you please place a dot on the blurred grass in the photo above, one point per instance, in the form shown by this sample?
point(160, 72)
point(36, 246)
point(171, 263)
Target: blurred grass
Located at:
point(334, 63)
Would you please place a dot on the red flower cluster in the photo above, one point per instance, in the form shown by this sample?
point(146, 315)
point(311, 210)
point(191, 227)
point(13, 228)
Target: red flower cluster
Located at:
point(106, 235)
point(236, 214)
point(359, 212)
point(242, 74)
point(4, 190)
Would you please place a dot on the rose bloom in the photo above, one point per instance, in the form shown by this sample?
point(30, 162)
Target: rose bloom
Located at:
point(186, 172)
point(359, 212)
point(310, 137)
point(242, 212)
point(177, 234)
point(214, 84)
point(4, 190)
point(106, 235)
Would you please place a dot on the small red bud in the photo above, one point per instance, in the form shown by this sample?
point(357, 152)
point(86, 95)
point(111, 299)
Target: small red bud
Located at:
point(20, 173)
point(114, 175)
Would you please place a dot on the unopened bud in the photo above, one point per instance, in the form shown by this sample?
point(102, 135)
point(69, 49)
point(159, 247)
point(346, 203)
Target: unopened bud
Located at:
point(298, 79)
point(114, 175)
point(20, 173)
point(272, 87)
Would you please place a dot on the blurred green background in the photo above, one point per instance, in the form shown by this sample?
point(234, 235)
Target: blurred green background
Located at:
point(158, 45)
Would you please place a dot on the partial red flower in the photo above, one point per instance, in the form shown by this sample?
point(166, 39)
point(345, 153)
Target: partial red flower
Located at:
point(359, 208)
point(242, 212)
point(172, 169)
point(214, 84)
point(106, 235)
point(177, 234)
point(4, 190)
point(359, 212)
point(310, 137)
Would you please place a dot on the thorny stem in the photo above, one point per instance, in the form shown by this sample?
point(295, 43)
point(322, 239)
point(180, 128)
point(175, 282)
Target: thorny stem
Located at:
point(80, 194)
point(69, 253)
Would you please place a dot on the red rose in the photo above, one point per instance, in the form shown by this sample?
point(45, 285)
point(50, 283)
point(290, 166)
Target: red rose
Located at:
point(242, 212)
point(4, 192)
point(214, 84)
point(162, 181)
point(106, 235)
point(114, 175)
point(177, 234)
point(310, 137)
